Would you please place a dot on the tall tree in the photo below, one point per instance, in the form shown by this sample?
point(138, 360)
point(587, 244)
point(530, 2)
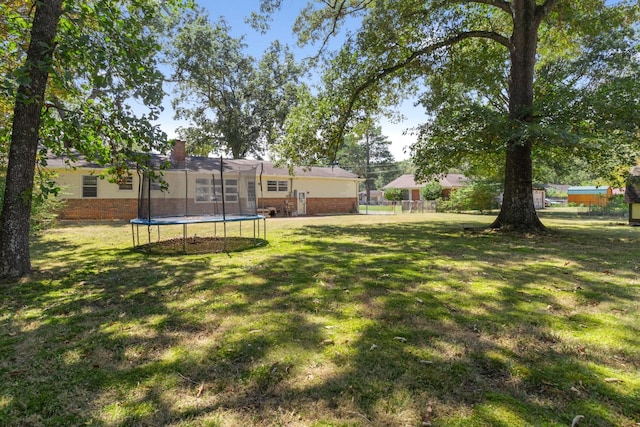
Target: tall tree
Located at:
point(14, 233)
point(233, 103)
point(85, 63)
point(484, 64)
point(366, 153)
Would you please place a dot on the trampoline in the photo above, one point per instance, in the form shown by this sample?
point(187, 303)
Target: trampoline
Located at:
point(200, 191)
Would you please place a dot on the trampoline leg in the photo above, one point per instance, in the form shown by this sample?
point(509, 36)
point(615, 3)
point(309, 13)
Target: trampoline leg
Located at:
point(184, 238)
point(224, 247)
point(133, 236)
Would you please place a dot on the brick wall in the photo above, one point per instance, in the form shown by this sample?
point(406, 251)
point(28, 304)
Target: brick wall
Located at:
point(126, 209)
point(99, 209)
point(327, 205)
point(315, 206)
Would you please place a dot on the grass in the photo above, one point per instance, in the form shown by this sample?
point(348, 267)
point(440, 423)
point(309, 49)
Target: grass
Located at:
point(339, 321)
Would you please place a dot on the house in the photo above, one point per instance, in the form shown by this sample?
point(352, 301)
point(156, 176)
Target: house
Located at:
point(307, 191)
point(411, 189)
point(632, 195)
point(590, 195)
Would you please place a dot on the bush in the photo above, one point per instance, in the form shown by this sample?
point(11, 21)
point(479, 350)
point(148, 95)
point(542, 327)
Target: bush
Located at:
point(431, 191)
point(476, 196)
point(616, 207)
point(393, 194)
point(44, 204)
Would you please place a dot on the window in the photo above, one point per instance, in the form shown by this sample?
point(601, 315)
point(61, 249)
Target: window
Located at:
point(251, 190)
point(230, 190)
point(210, 190)
point(204, 190)
point(125, 183)
point(277, 185)
point(89, 186)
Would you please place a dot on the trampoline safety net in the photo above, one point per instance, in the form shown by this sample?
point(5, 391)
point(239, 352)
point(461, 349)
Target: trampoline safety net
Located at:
point(212, 188)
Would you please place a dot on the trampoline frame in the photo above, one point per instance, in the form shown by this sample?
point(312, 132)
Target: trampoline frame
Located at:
point(200, 219)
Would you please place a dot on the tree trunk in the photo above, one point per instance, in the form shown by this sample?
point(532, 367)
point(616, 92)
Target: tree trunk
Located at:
point(15, 260)
point(367, 165)
point(518, 211)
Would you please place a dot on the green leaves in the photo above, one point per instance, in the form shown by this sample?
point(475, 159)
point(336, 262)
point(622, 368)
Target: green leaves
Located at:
point(233, 103)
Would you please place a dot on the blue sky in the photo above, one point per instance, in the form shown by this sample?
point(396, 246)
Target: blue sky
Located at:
point(236, 12)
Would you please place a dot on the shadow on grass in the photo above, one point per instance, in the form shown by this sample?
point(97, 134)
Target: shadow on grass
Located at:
point(397, 324)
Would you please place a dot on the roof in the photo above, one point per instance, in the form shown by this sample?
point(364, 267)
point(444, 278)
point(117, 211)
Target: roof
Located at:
point(588, 189)
point(207, 164)
point(452, 180)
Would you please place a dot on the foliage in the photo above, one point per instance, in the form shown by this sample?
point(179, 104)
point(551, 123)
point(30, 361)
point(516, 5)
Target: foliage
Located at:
point(393, 194)
point(366, 154)
point(554, 192)
point(71, 73)
point(504, 84)
point(480, 196)
point(233, 104)
point(616, 206)
point(431, 191)
point(106, 59)
point(585, 112)
point(45, 206)
point(378, 320)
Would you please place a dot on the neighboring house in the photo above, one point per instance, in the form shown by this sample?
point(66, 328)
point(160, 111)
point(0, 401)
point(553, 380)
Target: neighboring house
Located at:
point(590, 195)
point(308, 191)
point(411, 189)
point(376, 197)
point(632, 195)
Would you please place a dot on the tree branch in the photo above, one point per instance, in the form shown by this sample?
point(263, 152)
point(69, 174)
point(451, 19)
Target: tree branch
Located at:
point(340, 13)
point(342, 122)
point(543, 10)
point(500, 4)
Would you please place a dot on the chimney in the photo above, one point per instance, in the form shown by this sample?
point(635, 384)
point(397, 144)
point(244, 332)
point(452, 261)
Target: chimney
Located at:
point(178, 153)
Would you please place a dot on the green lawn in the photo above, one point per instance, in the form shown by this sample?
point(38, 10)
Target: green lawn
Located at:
point(406, 320)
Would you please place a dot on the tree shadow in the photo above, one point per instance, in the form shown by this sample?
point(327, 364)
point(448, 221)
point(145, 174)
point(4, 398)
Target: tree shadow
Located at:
point(400, 324)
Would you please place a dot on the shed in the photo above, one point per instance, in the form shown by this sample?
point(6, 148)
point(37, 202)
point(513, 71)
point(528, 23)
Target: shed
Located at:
point(590, 195)
point(632, 195)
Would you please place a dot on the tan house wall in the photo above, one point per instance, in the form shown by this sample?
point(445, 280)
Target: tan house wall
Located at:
point(70, 181)
point(634, 213)
point(314, 187)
